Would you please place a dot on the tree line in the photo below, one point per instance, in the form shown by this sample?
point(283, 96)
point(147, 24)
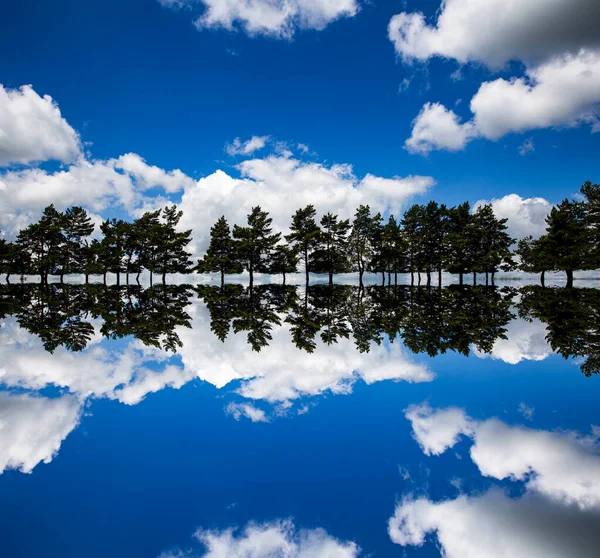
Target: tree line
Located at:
point(428, 239)
point(60, 244)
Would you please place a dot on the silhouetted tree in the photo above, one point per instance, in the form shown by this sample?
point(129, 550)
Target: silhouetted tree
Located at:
point(331, 255)
point(221, 255)
point(304, 235)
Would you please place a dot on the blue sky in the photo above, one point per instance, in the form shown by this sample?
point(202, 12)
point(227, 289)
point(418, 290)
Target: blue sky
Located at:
point(135, 76)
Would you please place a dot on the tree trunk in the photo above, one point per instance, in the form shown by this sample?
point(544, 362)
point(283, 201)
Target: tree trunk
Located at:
point(460, 278)
point(104, 277)
point(474, 278)
point(493, 276)
point(543, 278)
point(428, 277)
point(8, 278)
point(118, 278)
point(412, 278)
point(440, 276)
point(306, 265)
point(222, 278)
point(383, 278)
point(330, 278)
point(418, 277)
point(62, 278)
point(164, 277)
point(283, 279)
point(150, 277)
point(569, 273)
point(87, 278)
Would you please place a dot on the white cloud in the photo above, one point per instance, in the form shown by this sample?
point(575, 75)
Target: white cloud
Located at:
point(436, 128)
point(33, 428)
point(277, 538)
point(280, 185)
point(562, 92)
point(496, 31)
point(239, 410)
point(525, 340)
point(562, 467)
point(279, 19)
point(526, 216)
point(493, 525)
point(526, 147)
point(437, 430)
point(32, 129)
point(147, 176)
point(238, 147)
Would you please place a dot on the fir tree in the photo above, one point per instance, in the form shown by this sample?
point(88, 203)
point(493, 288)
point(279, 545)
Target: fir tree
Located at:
point(221, 255)
point(304, 236)
point(331, 255)
point(256, 242)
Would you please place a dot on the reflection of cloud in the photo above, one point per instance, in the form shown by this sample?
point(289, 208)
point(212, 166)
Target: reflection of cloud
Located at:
point(32, 428)
point(128, 373)
point(526, 340)
point(495, 526)
point(273, 539)
point(563, 467)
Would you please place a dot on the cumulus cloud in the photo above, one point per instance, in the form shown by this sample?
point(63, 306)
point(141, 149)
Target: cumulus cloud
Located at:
point(33, 428)
point(239, 410)
point(437, 128)
point(562, 92)
point(496, 526)
point(32, 129)
point(275, 538)
point(281, 184)
point(526, 216)
point(562, 467)
point(525, 340)
point(238, 147)
point(279, 19)
point(494, 32)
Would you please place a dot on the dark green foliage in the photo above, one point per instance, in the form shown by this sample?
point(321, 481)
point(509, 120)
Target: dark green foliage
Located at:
point(331, 254)
point(256, 242)
point(365, 230)
point(284, 260)
point(221, 256)
point(76, 226)
point(304, 235)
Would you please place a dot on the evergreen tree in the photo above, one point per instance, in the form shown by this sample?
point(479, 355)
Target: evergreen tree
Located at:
point(172, 255)
point(331, 255)
point(412, 225)
point(304, 235)
point(284, 260)
point(149, 231)
point(115, 233)
point(221, 255)
point(76, 225)
point(361, 239)
point(567, 238)
point(43, 243)
point(535, 256)
point(256, 242)
point(460, 246)
point(591, 193)
point(393, 249)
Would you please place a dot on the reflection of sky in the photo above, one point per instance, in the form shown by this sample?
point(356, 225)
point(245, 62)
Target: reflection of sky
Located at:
point(131, 451)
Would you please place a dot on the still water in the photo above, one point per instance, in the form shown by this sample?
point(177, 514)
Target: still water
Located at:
point(187, 421)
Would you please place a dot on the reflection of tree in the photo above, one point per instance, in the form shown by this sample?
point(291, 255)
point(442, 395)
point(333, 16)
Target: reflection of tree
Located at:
point(58, 314)
point(573, 321)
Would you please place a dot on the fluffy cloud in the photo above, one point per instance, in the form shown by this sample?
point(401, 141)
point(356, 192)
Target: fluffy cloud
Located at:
point(525, 340)
point(33, 428)
point(238, 147)
point(279, 19)
point(437, 128)
point(276, 538)
point(96, 185)
point(281, 184)
point(32, 129)
point(562, 467)
point(496, 31)
point(437, 430)
point(526, 216)
point(561, 92)
point(496, 526)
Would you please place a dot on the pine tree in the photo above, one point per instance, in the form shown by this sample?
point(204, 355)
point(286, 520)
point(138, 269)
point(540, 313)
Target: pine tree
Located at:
point(221, 255)
point(460, 241)
point(172, 255)
point(115, 233)
point(412, 224)
point(535, 256)
point(76, 225)
point(284, 260)
point(361, 239)
point(256, 242)
point(567, 238)
point(331, 255)
point(591, 192)
point(304, 236)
